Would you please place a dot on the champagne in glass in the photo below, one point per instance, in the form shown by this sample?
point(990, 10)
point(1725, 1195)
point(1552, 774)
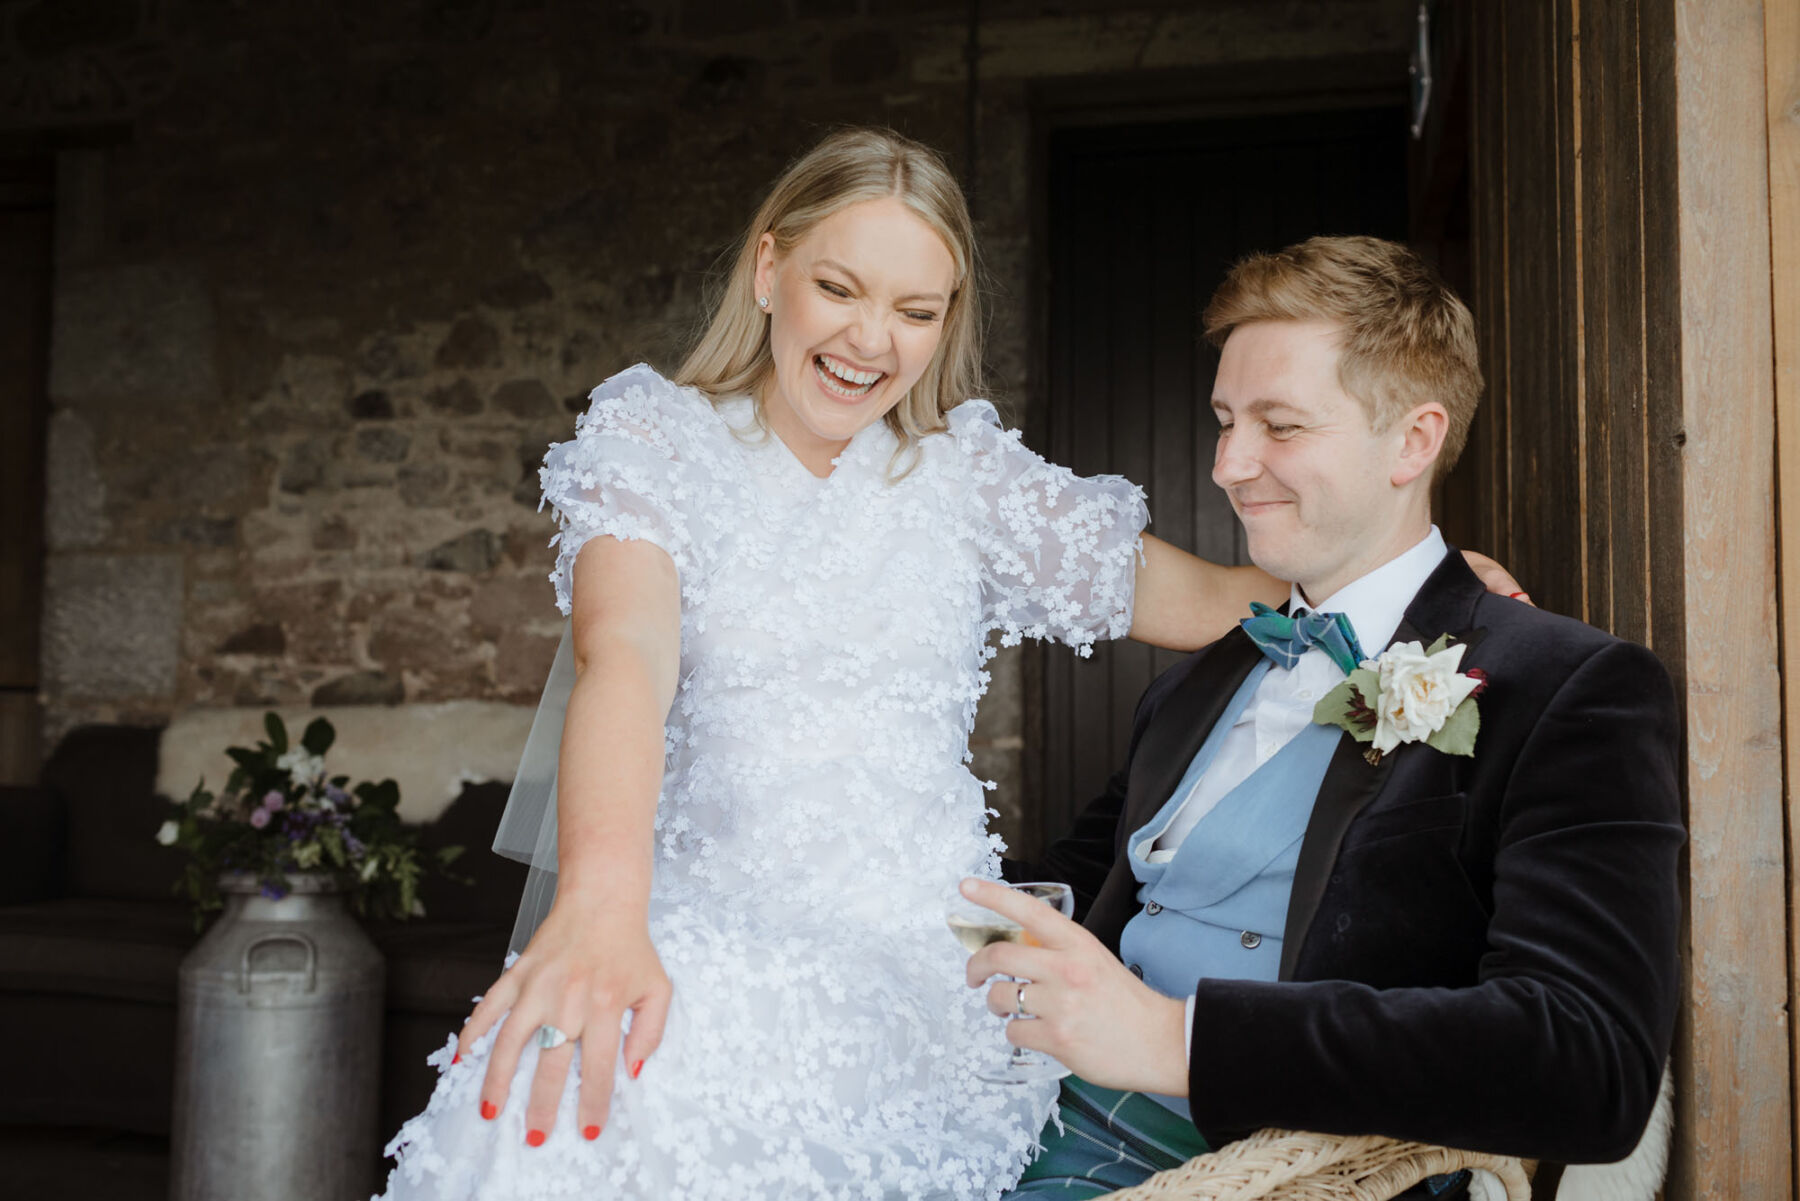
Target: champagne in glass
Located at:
point(975, 928)
point(975, 933)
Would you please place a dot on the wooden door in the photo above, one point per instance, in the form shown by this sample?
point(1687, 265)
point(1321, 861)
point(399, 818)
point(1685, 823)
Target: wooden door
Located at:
point(24, 408)
point(1143, 223)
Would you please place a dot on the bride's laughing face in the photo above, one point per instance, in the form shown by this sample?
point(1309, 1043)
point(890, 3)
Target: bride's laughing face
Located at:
point(856, 314)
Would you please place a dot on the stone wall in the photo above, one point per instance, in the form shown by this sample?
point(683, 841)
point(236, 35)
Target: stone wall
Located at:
point(331, 275)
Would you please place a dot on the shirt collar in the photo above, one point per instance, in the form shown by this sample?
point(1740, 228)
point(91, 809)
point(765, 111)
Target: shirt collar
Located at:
point(1376, 602)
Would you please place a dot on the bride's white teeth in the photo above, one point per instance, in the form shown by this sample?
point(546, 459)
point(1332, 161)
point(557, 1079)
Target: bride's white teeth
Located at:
point(846, 373)
point(841, 380)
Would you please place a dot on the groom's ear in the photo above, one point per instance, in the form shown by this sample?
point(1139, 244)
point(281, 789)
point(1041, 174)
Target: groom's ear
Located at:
point(1420, 436)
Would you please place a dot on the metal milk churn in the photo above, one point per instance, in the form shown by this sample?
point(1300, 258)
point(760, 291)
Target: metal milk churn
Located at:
point(278, 1051)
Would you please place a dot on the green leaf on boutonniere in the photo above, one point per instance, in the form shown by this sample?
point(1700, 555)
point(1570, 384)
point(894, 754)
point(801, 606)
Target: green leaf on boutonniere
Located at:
point(1351, 705)
point(1443, 642)
point(1457, 735)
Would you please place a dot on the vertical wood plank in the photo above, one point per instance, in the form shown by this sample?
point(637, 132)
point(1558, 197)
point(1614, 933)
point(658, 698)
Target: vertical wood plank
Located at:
point(1781, 23)
point(1735, 1133)
point(1543, 490)
point(1488, 436)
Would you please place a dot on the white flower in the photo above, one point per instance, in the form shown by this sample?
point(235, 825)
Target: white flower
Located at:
point(1419, 692)
point(168, 832)
point(302, 764)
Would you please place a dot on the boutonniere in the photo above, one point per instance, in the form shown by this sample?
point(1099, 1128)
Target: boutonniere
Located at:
point(1409, 694)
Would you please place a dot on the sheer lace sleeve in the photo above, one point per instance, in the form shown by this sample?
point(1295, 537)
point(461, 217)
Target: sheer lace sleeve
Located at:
point(642, 466)
point(1059, 552)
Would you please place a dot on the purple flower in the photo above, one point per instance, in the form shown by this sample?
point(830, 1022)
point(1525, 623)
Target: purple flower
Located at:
point(273, 892)
point(259, 818)
point(273, 800)
point(336, 795)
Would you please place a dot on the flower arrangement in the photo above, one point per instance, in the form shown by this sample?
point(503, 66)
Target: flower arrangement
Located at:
point(1408, 694)
point(280, 813)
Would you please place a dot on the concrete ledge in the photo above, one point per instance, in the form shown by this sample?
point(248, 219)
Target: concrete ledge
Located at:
point(431, 751)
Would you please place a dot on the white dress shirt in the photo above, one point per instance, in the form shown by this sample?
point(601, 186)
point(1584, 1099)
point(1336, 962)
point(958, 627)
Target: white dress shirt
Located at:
point(1282, 704)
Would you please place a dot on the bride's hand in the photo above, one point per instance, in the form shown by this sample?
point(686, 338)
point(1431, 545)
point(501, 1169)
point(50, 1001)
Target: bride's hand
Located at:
point(581, 972)
point(1493, 577)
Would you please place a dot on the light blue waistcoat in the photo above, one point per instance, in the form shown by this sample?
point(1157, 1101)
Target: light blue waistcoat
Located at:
point(1218, 908)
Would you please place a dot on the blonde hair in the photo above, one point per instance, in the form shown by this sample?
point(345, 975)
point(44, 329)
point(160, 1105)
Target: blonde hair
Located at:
point(1406, 338)
point(732, 356)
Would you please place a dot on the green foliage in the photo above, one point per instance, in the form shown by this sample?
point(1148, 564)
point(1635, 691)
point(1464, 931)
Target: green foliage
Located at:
point(1457, 735)
point(1351, 705)
point(279, 813)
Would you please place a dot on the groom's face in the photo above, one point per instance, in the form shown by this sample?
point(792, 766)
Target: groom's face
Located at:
point(1307, 475)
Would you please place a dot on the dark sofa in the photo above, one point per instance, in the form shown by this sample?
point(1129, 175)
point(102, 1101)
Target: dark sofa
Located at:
point(91, 937)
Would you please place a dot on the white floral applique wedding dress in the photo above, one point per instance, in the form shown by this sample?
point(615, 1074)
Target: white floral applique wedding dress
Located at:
point(816, 811)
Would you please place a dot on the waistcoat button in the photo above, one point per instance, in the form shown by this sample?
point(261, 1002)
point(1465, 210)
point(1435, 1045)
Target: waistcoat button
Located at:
point(1153, 909)
point(1251, 940)
point(1136, 970)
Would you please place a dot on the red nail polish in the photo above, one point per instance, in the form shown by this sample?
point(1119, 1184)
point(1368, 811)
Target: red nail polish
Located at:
point(488, 1111)
point(590, 1133)
point(456, 1059)
point(636, 1068)
point(535, 1138)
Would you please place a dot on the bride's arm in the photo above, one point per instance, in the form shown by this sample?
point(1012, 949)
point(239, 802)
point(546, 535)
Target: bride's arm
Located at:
point(1182, 602)
point(591, 959)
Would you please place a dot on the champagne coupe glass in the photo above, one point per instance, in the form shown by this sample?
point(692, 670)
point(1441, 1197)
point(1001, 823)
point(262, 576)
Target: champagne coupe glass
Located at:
point(975, 928)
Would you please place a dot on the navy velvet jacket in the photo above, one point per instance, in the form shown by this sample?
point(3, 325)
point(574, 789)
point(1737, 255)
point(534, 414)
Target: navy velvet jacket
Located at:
point(1480, 951)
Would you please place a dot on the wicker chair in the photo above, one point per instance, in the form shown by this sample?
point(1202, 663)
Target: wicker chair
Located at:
point(1296, 1166)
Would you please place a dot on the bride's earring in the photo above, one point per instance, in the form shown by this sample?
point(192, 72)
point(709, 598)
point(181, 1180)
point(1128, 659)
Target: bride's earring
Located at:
point(763, 303)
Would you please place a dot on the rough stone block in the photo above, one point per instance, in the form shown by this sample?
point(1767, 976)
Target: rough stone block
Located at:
point(360, 688)
point(471, 342)
point(525, 398)
point(459, 398)
point(423, 485)
point(194, 530)
point(265, 638)
point(305, 466)
point(472, 553)
point(511, 603)
point(522, 662)
point(140, 333)
point(382, 445)
point(373, 405)
point(75, 509)
point(112, 625)
point(516, 291)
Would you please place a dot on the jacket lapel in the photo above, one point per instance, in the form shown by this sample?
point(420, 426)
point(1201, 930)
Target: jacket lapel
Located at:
point(1181, 724)
point(1444, 604)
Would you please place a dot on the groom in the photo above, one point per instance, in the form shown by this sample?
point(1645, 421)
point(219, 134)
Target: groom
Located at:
point(1453, 929)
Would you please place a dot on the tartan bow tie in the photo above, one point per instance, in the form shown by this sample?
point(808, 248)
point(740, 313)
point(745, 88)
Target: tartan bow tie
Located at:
point(1284, 639)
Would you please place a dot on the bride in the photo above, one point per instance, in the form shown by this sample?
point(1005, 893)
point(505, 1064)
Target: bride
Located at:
point(782, 567)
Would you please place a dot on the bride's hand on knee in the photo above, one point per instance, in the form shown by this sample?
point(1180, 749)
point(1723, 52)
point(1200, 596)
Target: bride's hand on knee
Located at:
point(580, 974)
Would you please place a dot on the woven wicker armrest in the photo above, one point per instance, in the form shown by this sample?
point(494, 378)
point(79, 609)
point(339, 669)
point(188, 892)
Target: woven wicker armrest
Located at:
point(1293, 1165)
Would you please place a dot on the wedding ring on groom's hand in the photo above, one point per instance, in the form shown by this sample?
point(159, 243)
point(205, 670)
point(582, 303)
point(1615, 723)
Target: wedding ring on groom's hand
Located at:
point(1019, 1010)
point(550, 1036)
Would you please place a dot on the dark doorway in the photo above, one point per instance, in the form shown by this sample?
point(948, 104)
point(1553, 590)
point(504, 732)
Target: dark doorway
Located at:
point(1143, 222)
point(25, 263)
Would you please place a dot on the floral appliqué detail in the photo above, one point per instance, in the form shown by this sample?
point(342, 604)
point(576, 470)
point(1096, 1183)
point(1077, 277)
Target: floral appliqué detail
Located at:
point(1408, 694)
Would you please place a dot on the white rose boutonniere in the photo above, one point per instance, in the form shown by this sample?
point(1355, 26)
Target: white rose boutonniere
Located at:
point(1408, 694)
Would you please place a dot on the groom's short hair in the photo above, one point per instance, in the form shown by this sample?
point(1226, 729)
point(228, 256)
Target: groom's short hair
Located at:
point(1406, 339)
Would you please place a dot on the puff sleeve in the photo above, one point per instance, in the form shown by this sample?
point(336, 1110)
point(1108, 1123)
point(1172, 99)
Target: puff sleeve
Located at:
point(1059, 552)
point(638, 468)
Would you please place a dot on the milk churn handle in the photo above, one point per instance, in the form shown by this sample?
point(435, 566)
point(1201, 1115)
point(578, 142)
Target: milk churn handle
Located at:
point(312, 958)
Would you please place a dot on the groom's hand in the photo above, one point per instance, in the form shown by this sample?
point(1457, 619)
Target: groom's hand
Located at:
point(1093, 1015)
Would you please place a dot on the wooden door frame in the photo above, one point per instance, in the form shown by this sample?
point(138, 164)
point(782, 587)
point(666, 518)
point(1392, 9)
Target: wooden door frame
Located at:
point(1781, 41)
